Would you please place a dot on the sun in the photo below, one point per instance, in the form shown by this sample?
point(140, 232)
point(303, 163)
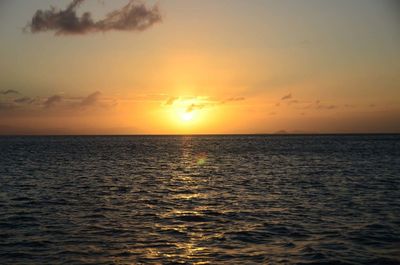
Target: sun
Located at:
point(187, 113)
point(186, 116)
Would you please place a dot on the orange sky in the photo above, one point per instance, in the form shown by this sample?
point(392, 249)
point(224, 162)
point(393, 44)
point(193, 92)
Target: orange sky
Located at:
point(200, 67)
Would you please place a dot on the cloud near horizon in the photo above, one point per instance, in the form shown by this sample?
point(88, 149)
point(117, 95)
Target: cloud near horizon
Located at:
point(24, 100)
point(192, 107)
point(91, 99)
point(9, 91)
point(134, 16)
point(288, 96)
point(197, 103)
point(52, 101)
point(170, 101)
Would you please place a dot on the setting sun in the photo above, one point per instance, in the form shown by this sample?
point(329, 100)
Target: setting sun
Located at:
point(187, 116)
point(185, 110)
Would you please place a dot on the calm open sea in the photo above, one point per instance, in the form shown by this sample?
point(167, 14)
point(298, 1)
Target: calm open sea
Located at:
point(200, 200)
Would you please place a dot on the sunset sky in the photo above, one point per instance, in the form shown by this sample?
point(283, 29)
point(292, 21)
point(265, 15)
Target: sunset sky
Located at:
point(199, 66)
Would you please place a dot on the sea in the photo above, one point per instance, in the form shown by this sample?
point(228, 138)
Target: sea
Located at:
point(204, 199)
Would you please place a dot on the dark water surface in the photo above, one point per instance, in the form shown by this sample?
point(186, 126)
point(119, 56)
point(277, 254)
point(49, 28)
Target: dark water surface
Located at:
point(200, 200)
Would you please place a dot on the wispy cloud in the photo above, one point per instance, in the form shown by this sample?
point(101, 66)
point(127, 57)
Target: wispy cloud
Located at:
point(91, 99)
point(134, 16)
point(170, 101)
point(62, 102)
point(318, 105)
point(24, 100)
point(9, 91)
point(6, 106)
point(193, 103)
point(193, 106)
point(288, 96)
point(232, 99)
point(52, 101)
point(326, 106)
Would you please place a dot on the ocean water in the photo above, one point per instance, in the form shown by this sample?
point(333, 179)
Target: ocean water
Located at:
point(200, 200)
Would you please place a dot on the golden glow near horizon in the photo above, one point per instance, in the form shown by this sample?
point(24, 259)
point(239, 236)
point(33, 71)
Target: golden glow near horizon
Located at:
point(205, 67)
point(188, 111)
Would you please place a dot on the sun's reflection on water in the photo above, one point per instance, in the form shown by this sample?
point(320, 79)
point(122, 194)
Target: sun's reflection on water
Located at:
point(185, 221)
point(184, 228)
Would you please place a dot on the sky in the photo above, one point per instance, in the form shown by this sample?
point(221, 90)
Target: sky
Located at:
point(199, 67)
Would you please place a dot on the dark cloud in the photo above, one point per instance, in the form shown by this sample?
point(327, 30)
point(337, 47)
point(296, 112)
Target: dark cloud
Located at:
point(320, 106)
point(317, 105)
point(135, 16)
point(23, 100)
point(288, 96)
point(91, 99)
point(63, 103)
point(6, 106)
point(208, 104)
point(196, 103)
point(232, 99)
point(9, 91)
point(326, 107)
point(52, 101)
point(170, 101)
point(235, 99)
point(193, 107)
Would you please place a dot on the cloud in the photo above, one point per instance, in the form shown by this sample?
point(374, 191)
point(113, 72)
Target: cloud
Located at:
point(170, 101)
point(134, 16)
point(211, 103)
point(61, 103)
point(321, 106)
point(23, 100)
point(288, 96)
point(91, 99)
point(193, 107)
point(52, 101)
point(232, 99)
point(193, 103)
point(327, 107)
point(6, 106)
point(235, 99)
point(9, 91)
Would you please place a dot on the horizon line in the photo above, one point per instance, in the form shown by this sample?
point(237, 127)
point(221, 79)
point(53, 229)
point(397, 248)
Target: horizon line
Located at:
point(204, 134)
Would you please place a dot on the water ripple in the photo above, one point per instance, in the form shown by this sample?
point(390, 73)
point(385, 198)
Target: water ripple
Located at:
point(200, 200)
